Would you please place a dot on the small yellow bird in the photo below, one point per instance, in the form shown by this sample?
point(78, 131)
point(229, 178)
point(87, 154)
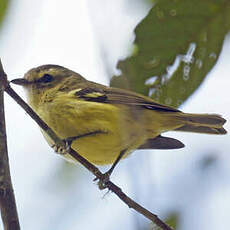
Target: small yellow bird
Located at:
point(104, 122)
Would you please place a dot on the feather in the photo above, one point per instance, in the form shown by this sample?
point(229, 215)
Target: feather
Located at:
point(162, 143)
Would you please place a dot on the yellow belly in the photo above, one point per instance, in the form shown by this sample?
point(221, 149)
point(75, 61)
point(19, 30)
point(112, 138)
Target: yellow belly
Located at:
point(121, 126)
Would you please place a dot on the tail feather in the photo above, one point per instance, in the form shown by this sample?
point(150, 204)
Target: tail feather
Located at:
point(201, 129)
point(161, 142)
point(202, 123)
point(204, 119)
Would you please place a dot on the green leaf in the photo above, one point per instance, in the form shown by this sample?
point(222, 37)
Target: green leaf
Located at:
point(3, 8)
point(176, 45)
point(173, 220)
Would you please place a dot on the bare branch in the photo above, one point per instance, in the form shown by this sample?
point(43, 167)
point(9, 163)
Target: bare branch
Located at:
point(100, 176)
point(7, 199)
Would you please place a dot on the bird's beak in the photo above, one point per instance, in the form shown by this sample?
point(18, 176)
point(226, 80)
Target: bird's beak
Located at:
point(21, 81)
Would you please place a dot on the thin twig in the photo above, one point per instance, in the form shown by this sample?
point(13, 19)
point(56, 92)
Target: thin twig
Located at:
point(100, 176)
point(7, 199)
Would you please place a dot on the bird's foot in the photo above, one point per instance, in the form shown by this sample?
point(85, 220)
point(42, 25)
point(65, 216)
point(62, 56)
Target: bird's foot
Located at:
point(60, 149)
point(103, 180)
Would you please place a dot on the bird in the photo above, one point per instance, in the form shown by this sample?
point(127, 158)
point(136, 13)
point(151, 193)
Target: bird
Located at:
point(105, 124)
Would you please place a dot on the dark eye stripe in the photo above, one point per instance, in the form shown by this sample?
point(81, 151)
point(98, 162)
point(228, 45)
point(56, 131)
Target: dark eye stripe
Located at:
point(46, 78)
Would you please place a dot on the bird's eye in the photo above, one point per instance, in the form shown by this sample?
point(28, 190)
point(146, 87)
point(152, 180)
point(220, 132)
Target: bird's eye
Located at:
point(46, 78)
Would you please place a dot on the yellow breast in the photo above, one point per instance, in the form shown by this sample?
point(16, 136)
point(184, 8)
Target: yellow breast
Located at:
point(121, 127)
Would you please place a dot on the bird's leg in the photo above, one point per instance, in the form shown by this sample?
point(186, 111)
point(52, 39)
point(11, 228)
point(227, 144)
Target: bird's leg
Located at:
point(106, 176)
point(69, 140)
point(109, 172)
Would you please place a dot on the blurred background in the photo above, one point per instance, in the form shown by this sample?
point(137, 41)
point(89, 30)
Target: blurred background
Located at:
point(190, 187)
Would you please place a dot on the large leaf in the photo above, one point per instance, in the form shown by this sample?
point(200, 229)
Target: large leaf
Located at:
point(176, 45)
point(3, 7)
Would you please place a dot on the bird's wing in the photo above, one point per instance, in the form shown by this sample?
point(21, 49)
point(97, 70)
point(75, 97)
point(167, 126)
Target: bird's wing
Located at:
point(102, 94)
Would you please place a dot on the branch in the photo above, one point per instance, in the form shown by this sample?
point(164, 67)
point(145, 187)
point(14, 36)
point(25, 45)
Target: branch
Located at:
point(7, 199)
point(100, 176)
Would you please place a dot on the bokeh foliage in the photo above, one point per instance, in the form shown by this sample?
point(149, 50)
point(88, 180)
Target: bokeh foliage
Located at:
point(3, 8)
point(176, 45)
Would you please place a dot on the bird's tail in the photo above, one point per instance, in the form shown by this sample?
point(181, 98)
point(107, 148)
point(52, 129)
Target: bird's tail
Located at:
point(201, 123)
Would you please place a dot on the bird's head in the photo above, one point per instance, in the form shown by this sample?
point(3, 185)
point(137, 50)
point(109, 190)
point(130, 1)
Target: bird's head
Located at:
point(46, 80)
